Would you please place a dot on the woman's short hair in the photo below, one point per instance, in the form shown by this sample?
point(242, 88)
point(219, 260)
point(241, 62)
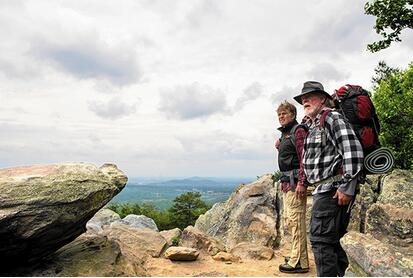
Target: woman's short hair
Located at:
point(287, 106)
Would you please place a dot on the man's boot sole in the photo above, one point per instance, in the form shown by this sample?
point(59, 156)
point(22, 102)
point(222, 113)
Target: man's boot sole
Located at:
point(303, 270)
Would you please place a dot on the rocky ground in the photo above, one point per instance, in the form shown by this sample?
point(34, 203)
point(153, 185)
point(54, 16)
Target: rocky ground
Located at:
point(46, 211)
point(206, 266)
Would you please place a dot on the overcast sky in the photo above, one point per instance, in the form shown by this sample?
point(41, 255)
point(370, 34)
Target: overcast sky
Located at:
point(171, 87)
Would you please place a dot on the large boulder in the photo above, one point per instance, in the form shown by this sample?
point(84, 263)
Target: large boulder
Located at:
point(117, 250)
point(45, 207)
point(390, 224)
point(391, 217)
point(382, 243)
point(249, 215)
point(397, 189)
point(371, 257)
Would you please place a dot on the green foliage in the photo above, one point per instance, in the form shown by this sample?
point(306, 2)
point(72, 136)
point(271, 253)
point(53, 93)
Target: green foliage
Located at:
point(186, 209)
point(394, 15)
point(393, 100)
point(175, 241)
point(162, 218)
point(382, 72)
point(124, 209)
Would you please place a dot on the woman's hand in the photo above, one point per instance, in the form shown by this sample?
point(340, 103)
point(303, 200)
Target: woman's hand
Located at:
point(277, 143)
point(300, 190)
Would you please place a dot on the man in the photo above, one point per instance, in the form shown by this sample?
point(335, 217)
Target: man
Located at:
point(332, 162)
point(290, 148)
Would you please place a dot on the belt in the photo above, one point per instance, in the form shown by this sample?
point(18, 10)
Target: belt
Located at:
point(293, 174)
point(328, 180)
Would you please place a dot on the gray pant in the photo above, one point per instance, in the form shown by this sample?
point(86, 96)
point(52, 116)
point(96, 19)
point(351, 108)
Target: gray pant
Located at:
point(329, 223)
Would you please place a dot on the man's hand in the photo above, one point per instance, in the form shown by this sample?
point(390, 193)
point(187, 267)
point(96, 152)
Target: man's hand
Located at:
point(343, 199)
point(300, 190)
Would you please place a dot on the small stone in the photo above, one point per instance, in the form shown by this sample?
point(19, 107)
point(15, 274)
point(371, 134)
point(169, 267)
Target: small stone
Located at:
point(226, 257)
point(181, 254)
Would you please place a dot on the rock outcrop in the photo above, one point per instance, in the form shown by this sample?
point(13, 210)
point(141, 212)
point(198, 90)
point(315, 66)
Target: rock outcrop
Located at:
point(250, 215)
point(369, 256)
point(117, 250)
point(89, 255)
point(43, 208)
point(46, 207)
point(381, 243)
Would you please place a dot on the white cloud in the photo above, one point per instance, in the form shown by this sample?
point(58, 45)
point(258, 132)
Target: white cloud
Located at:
point(250, 93)
point(337, 28)
point(325, 71)
point(98, 81)
point(17, 69)
point(286, 93)
point(192, 101)
point(87, 57)
point(200, 10)
point(112, 109)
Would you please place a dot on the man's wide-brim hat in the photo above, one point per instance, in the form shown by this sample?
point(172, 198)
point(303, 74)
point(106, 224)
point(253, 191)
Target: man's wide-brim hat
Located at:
point(312, 87)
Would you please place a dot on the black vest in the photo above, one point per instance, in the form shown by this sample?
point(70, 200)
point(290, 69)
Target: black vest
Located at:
point(287, 155)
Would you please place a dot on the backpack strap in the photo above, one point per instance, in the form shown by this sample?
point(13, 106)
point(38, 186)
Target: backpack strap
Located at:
point(322, 126)
point(294, 129)
point(292, 134)
point(323, 117)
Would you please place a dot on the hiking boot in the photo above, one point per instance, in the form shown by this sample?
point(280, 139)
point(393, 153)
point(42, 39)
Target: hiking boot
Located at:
point(287, 259)
point(286, 268)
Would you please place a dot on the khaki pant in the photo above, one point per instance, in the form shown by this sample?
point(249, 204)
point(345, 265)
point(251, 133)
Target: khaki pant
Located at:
point(294, 214)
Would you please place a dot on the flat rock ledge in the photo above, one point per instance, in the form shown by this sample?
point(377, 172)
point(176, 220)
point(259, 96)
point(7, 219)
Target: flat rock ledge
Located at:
point(44, 207)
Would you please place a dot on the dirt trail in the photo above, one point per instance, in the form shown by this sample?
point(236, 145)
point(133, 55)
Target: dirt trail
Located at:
point(206, 266)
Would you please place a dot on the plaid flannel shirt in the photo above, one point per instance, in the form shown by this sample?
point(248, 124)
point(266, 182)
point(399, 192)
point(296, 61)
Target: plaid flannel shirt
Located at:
point(332, 150)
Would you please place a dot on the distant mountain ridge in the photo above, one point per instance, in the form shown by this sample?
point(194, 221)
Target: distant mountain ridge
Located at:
point(161, 192)
point(188, 181)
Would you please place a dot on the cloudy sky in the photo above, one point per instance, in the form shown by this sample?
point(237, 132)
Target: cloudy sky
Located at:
point(170, 87)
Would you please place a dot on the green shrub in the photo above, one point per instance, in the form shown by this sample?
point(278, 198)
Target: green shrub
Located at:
point(176, 240)
point(393, 100)
point(186, 209)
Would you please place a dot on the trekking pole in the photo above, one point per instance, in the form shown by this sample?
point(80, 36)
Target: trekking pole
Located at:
point(350, 205)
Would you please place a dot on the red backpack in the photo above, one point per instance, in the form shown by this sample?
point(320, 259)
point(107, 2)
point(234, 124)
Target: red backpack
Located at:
point(354, 103)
